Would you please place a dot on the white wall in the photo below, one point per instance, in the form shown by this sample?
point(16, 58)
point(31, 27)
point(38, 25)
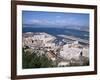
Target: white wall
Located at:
point(5, 54)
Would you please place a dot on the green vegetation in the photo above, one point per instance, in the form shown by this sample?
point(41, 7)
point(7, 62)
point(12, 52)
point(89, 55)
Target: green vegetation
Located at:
point(35, 60)
point(32, 60)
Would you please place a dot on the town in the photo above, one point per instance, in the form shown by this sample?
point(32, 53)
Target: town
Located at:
point(69, 51)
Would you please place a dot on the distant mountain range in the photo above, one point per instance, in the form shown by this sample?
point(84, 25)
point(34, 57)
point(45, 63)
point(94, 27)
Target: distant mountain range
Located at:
point(81, 28)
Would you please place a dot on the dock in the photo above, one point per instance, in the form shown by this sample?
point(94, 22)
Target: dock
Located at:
point(75, 39)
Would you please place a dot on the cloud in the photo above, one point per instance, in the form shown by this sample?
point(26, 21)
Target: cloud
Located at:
point(35, 21)
point(42, 22)
point(58, 22)
point(58, 16)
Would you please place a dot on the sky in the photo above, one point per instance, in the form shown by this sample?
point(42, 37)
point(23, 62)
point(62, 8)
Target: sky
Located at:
point(55, 19)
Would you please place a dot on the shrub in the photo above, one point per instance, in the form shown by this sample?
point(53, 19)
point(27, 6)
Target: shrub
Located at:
point(35, 61)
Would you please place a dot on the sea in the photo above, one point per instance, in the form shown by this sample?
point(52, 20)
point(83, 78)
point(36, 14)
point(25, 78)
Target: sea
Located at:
point(58, 31)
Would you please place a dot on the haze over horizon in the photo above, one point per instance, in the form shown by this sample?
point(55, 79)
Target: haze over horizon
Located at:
point(55, 19)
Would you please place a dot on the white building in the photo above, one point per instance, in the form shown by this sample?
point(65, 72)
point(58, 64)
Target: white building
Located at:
point(68, 52)
point(63, 64)
point(39, 39)
point(85, 52)
point(43, 36)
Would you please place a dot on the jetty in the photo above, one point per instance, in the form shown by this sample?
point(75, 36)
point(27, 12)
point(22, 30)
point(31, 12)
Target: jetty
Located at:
point(75, 39)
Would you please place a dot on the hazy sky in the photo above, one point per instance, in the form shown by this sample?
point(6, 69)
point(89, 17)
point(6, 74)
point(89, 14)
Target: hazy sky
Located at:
point(57, 19)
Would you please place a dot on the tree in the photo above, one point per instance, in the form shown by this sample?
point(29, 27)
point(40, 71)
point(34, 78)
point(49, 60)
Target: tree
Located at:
point(35, 61)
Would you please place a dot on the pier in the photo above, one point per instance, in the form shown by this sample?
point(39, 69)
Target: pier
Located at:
point(74, 38)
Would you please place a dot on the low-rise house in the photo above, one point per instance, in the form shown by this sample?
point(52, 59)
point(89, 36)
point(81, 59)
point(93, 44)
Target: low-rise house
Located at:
point(63, 64)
